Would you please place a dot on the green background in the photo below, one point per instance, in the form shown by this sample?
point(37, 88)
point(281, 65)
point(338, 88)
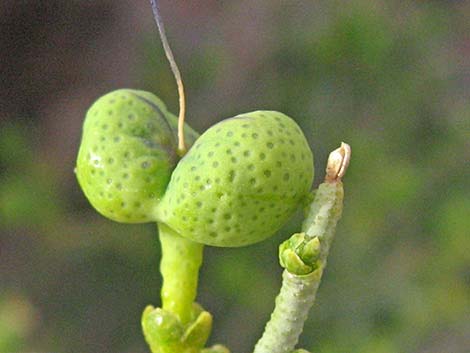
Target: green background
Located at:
point(391, 78)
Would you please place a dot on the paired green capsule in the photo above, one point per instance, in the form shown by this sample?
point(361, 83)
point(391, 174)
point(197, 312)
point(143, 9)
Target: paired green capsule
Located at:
point(238, 184)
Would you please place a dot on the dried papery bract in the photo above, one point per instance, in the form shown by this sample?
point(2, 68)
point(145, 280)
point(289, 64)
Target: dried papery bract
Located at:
point(338, 162)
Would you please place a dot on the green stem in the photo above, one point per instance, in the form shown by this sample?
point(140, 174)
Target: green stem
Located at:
point(298, 291)
point(181, 259)
point(295, 298)
point(323, 216)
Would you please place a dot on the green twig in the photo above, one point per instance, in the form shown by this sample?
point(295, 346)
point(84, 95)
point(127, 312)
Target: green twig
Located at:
point(304, 258)
point(181, 259)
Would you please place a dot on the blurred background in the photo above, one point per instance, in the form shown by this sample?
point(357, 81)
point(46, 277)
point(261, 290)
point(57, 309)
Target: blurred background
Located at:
point(391, 78)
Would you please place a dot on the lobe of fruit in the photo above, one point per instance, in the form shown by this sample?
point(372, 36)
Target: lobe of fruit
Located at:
point(127, 154)
point(240, 182)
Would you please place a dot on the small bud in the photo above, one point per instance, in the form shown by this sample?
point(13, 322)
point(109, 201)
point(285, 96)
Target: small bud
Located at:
point(311, 250)
point(299, 254)
point(198, 332)
point(161, 328)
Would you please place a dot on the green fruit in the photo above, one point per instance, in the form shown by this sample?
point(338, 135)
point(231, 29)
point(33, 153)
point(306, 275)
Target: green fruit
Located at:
point(240, 182)
point(127, 154)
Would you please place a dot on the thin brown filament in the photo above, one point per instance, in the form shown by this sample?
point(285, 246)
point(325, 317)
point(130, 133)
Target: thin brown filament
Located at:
point(176, 74)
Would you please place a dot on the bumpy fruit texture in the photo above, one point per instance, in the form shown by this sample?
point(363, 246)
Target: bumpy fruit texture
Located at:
point(240, 182)
point(127, 154)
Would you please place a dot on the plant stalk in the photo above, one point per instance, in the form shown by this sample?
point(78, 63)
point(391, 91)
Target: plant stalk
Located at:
point(299, 289)
point(180, 263)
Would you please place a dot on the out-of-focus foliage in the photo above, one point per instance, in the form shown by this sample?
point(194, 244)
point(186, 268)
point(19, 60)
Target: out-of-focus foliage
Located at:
point(388, 77)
